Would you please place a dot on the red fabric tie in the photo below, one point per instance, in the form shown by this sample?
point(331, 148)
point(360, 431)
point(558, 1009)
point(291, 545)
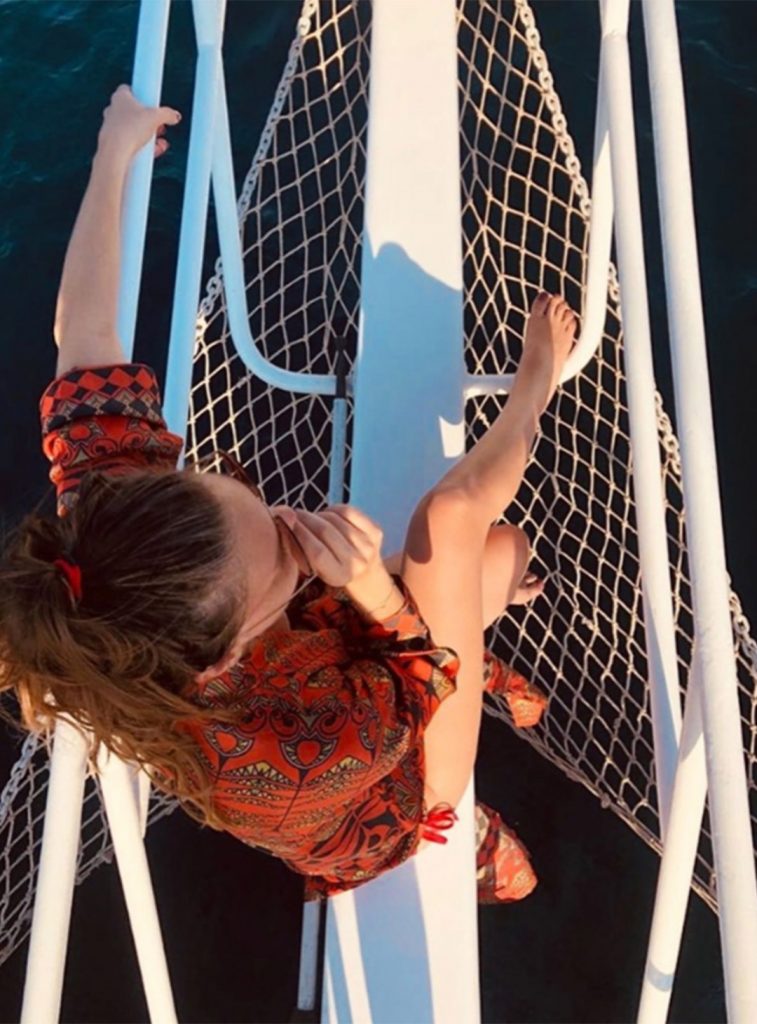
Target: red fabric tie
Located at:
point(441, 817)
point(72, 573)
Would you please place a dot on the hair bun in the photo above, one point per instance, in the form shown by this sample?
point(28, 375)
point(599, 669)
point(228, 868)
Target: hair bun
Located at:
point(42, 539)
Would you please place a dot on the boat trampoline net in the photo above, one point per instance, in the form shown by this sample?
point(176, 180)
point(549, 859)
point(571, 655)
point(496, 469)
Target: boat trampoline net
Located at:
point(526, 209)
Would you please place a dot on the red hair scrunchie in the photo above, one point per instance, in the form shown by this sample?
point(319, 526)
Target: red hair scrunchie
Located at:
point(72, 572)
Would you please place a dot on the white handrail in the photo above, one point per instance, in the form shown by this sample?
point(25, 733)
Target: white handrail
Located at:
point(51, 917)
point(678, 859)
point(63, 810)
point(210, 137)
point(642, 414)
point(147, 84)
point(597, 268)
point(116, 778)
point(729, 803)
point(194, 216)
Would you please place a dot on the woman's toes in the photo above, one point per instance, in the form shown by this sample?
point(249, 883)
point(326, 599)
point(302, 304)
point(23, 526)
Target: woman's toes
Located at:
point(161, 146)
point(540, 304)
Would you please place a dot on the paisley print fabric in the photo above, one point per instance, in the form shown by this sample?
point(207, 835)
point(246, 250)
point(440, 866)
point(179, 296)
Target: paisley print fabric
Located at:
point(325, 768)
point(336, 719)
point(503, 867)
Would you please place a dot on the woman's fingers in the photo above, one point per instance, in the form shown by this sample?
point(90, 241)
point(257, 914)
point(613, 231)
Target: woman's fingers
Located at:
point(338, 549)
point(364, 522)
point(344, 539)
point(130, 124)
point(327, 553)
point(360, 530)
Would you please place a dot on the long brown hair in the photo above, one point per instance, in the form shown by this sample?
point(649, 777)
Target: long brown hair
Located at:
point(157, 608)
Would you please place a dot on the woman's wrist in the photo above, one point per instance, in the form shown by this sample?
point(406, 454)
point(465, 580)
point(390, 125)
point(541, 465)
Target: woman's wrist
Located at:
point(112, 155)
point(376, 594)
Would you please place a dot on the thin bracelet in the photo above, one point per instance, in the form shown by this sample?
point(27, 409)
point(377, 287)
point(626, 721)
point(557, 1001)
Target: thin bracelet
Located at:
point(386, 599)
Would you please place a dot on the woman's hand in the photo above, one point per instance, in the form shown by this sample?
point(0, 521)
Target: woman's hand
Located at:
point(341, 543)
point(128, 125)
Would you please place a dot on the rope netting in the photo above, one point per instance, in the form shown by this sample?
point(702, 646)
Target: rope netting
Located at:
point(526, 209)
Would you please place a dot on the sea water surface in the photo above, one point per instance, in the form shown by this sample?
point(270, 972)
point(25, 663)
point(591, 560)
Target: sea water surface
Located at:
point(574, 950)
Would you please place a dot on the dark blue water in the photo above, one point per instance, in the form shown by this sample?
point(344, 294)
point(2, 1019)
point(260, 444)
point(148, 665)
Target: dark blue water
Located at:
point(573, 951)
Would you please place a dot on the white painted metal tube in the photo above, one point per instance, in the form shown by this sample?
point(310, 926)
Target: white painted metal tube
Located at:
point(600, 243)
point(227, 219)
point(230, 244)
point(640, 384)
point(146, 84)
point(678, 857)
point(193, 225)
point(729, 806)
point(125, 827)
point(62, 827)
point(311, 926)
point(597, 271)
point(55, 882)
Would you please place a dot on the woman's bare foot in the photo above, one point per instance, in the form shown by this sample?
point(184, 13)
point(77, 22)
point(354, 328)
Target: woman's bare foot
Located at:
point(550, 333)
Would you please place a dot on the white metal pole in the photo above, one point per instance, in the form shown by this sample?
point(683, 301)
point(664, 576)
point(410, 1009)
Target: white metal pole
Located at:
point(311, 926)
point(647, 477)
point(642, 414)
point(146, 84)
point(209, 31)
point(729, 805)
point(597, 269)
point(600, 243)
point(678, 857)
point(55, 882)
point(126, 830)
point(235, 288)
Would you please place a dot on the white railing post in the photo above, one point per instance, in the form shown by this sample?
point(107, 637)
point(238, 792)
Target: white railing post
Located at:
point(146, 84)
point(642, 413)
point(596, 277)
point(54, 893)
point(729, 804)
point(678, 857)
point(116, 780)
point(62, 826)
point(208, 18)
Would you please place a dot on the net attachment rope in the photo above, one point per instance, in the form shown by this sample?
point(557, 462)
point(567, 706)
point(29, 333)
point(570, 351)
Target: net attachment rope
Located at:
point(525, 213)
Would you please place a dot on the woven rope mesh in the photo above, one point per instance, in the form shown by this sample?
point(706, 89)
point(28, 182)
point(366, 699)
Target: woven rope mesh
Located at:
point(525, 210)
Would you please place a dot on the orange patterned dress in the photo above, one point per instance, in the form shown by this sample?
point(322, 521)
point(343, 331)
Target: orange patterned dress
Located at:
point(326, 769)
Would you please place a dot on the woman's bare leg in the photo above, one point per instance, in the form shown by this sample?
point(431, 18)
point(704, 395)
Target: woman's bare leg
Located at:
point(443, 560)
point(506, 555)
point(442, 566)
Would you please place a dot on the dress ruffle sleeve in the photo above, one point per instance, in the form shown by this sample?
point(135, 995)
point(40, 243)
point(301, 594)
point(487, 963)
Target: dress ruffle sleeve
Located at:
point(107, 418)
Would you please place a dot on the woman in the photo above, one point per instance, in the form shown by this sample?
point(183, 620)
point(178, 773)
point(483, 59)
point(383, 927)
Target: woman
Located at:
point(264, 664)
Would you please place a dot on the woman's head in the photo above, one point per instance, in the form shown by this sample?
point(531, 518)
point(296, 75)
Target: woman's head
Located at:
point(265, 553)
point(179, 571)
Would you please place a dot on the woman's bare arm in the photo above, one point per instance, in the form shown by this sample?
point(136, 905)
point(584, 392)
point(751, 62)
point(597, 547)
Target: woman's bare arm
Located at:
point(87, 309)
point(85, 317)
